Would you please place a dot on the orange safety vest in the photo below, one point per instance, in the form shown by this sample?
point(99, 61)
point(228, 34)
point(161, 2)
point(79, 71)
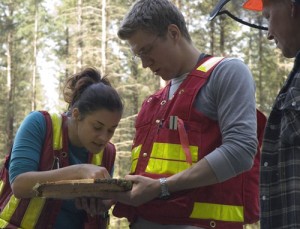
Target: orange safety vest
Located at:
point(40, 212)
point(170, 137)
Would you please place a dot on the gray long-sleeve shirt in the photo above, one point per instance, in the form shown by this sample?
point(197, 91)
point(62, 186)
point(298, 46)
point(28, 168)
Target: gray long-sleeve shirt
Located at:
point(229, 97)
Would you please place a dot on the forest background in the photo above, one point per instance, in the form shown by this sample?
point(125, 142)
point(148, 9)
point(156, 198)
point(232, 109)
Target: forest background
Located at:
point(43, 42)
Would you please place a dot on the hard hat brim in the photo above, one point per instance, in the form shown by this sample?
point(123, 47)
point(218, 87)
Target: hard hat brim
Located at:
point(217, 8)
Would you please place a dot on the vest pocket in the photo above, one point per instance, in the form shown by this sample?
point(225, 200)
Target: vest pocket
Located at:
point(289, 105)
point(168, 156)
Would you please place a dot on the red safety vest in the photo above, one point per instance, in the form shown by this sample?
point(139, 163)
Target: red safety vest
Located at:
point(171, 136)
point(41, 213)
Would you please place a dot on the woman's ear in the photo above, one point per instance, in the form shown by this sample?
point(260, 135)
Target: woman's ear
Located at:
point(76, 114)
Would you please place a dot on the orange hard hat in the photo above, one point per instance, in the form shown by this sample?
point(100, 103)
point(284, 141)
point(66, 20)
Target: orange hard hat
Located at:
point(256, 5)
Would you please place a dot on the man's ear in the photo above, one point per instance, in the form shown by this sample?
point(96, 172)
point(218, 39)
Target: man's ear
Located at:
point(174, 32)
point(295, 9)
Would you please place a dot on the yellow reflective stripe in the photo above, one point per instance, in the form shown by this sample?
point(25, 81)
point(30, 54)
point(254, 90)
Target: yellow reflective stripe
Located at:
point(3, 223)
point(9, 208)
point(3, 214)
point(218, 212)
point(1, 186)
point(169, 158)
point(31, 215)
point(33, 212)
point(172, 152)
point(207, 65)
point(97, 158)
point(134, 157)
point(158, 166)
point(57, 131)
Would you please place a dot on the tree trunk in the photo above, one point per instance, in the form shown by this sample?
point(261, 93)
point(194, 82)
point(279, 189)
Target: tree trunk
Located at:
point(33, 80)
point(10, 91)
point(79, 32)
point(103, 41)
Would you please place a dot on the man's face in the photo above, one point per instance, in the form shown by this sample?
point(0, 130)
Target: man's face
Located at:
point(158, 53)
point(283, 26)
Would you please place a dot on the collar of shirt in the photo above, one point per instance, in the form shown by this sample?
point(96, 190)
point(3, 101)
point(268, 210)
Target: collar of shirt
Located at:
point(175, 83)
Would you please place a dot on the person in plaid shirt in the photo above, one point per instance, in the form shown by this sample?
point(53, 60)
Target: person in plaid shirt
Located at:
point(280, 162)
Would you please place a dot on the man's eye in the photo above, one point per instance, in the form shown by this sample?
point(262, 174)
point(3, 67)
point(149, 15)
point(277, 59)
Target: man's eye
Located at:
point(146, 51)
point(140, 54)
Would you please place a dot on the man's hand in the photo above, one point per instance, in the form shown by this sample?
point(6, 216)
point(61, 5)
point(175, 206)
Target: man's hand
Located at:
point(143, 190)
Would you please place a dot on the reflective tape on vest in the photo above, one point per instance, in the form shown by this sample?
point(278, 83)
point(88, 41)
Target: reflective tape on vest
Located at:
point(30, 217)
point(165, 158)
point(3, 223)
point(207, 65)
point(135, 153)
point(221, 212)
point(97, 158)
point(1, 186)
point(33, 212)
point(9, 210)
point(57, 131)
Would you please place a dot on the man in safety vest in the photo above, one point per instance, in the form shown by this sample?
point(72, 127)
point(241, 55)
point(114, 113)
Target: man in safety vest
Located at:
point(280, 167)
point(194, 161)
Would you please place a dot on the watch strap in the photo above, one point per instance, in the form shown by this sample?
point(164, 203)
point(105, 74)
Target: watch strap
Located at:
point(165, 194)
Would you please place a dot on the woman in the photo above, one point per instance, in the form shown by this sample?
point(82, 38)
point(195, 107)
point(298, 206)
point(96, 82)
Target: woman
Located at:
point(95, 110)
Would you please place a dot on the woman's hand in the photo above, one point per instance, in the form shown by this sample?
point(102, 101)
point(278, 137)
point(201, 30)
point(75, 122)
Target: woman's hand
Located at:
point(89, 171)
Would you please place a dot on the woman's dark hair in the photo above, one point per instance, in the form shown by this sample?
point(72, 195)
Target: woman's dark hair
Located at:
point(89, 92)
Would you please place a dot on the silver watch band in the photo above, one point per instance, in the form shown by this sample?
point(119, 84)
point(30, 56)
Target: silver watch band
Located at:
point(165, 194)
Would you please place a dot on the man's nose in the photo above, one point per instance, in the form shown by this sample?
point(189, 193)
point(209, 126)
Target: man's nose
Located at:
point(270, 36)
point(146, 61)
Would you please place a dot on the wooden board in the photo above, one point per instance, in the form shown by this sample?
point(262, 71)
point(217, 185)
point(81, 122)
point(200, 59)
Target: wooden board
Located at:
point(69, 189)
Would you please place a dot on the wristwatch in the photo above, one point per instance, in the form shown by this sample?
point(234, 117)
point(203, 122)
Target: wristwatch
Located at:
point(165, 194)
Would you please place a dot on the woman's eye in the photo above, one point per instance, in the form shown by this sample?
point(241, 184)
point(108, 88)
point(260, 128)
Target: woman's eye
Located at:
point(97, 127)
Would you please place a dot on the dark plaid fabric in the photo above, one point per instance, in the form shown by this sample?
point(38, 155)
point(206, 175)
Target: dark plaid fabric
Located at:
point(280, 161)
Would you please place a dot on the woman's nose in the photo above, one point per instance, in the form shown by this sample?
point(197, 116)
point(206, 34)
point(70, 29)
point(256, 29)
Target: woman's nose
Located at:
point(104, 136)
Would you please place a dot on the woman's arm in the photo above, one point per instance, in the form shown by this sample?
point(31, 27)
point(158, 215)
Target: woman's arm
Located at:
point(23, 184)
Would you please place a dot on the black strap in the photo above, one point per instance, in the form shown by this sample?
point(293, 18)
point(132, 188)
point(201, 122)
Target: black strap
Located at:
point(242, 21)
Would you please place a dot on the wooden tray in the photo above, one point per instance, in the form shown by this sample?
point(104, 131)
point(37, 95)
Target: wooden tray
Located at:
point(69, 189)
